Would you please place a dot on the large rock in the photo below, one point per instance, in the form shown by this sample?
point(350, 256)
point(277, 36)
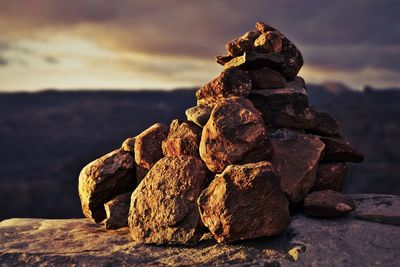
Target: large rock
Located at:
point(163, 207)
point(266, 78)
point(148, 148)
point(231, 82)
point(243, 202)
point(269, 41)
point(337, 149)
point(183, 139)
point(198, 114)
point(330, 176)
point(328, 203)
point(285, 107)
point(295, 159)
point(117, 210)
point(350, 242)
point(378, 208)
point(103, 179)
point(235, 133)
point(293, 58)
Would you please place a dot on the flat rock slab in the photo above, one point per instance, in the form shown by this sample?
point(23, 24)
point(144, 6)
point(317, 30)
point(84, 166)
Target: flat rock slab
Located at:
point(378, 208)
point(314, 242)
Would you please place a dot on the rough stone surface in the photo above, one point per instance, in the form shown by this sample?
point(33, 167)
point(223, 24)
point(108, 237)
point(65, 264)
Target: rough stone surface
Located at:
point(231, 82)
point(129, 145)
point(183, 139)
point(337, 149)
point(163, 207)
point(148, 148)
point(285, 107)
point(117, 210)
point(328, 203)
point(266, 78)
point(295, 159)
point(235, 133)
point(378, 208)
point(330, 176)
point(269, 41)
point(294, 95)
point(325, 124)
point(255, 60)
point(343, 241)
point(199, 114)
point(293, 58)
point(245, 201)
point(103, 179)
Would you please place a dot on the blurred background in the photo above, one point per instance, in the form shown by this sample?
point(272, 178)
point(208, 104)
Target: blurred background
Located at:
point(78, 77)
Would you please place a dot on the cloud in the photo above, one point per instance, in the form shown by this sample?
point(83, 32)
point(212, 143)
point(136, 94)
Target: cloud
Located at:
point(3, 62)
point(346, 35)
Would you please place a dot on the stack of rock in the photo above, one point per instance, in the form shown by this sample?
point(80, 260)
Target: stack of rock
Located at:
point(249, 150)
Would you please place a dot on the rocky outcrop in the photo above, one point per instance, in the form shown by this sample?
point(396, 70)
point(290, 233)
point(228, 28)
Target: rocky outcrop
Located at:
point(345, 241)
point(253, 123)
point(163, 207)
point(244, 197)
point(103, 179)
point(235, 133)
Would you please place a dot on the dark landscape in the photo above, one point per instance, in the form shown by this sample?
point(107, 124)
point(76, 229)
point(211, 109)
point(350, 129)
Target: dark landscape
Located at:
point(47, 137)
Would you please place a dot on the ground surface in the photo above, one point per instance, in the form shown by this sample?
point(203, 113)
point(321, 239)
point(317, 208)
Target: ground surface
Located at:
point(318, 242)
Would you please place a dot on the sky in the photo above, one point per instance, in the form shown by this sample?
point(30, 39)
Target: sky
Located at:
point(154, 44)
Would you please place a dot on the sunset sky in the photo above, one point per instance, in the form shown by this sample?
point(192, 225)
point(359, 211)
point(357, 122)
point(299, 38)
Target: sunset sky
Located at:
point(122, 44)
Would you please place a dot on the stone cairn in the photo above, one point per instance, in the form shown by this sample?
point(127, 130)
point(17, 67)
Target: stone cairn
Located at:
point(251, 149)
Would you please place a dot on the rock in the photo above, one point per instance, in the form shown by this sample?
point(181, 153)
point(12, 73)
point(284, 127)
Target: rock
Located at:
point(231, 82)
point(378, 208)
point(294, 97)
point(238, 46)
point(103, 179)
point(270, 41)
point(163, 207)
point(183, 139)
point(117, 210)
point(337, 149)
point(325, 124)
point(295, 159)
point(242, 44)
point(198, 114)
point(351, 242)
point(129, 145)
point(256, 60)
point(285, 107)
point(266, 78)
point(293, 58)
point(328, 203)
point(148, 148)
point(289, 118)
point(330, 176)
point(222, 60)
point(243, 202)
point(235, 133)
